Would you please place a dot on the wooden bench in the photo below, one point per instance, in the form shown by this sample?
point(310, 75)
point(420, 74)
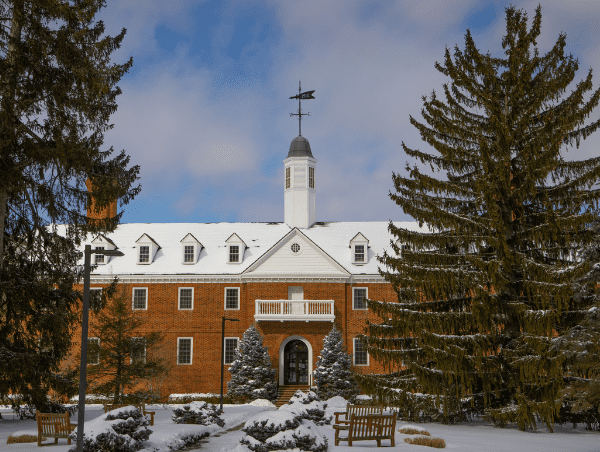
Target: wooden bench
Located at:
point(358, 410)
point(55, 426)
point(370, 427)
point(140, 406)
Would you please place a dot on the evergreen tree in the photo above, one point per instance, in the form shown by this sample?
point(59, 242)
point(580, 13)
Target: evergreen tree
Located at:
point(252, 376)
point(124, 355)
point(333, 375)
point(57, 91)
point(481, 297)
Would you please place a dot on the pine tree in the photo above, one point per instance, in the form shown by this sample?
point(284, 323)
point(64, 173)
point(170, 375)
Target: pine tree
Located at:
point(333, 375)
point(124, 354)
point(57, 92)
point(482, 295)
point(252, 376)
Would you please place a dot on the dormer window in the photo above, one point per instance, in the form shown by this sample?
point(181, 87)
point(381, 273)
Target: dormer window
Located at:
point(102, 243)
point(99, 258)
point(147, 249)
point(190, 248)
point(234, 253)
point(359, 247)
point(144, 254)
point(235, 249)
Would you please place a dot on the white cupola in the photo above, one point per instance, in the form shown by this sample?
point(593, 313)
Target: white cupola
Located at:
point(299, 185)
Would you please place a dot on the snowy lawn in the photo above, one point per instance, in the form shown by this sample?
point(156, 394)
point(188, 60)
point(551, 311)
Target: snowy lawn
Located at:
point(475, 436)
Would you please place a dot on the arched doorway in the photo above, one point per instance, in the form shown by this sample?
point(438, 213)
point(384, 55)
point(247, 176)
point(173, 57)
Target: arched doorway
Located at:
point(295, 361)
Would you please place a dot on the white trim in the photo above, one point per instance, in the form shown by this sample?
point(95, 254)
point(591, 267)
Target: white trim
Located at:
point(366, 296)
point(139, 253)
point(241, 250)
point(225, 347)
point(354, 353)
point(133, 308)
point(238, 278)
point(191, 351)
point(365, 254)
point(282, 356)
point(194, 253)
point(88, 355)
point(179, 308)
point(225, 299)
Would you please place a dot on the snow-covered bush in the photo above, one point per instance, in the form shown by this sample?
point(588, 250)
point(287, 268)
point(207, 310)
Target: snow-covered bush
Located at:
point(192, 397)
point(252, 376)
point(333, 375)
point(121, 430)
point(27, 411)
point(282, 430)
point(307, 406)
point(200, 413)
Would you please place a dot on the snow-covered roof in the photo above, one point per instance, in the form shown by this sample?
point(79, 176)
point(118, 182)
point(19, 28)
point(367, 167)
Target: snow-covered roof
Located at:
point(332, 237)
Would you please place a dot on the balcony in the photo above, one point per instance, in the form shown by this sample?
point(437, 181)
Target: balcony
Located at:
point(295, 310)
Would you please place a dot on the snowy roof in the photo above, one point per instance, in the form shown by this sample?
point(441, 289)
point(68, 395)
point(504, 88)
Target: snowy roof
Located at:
point(333, 238)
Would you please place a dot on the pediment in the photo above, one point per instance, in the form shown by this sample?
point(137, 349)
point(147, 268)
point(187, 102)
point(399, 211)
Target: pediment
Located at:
point(295, 254)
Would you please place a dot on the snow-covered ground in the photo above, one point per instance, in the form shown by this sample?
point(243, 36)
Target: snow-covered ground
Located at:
point(475, 436)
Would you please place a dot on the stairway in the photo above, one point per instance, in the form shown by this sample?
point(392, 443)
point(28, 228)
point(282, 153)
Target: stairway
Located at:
point(285, 392)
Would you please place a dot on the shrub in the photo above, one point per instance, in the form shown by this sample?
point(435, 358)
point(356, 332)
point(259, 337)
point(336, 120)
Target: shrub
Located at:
point(282, 430)
point(438, 443)
point(200, 413)
point(21, 439)
point(128, 435)
point(307, 406)
point(188, 441)
point(52, 406)
point(199, 397)
point(414, 431)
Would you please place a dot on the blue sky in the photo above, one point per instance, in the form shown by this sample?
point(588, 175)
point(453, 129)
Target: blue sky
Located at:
point(205, 108)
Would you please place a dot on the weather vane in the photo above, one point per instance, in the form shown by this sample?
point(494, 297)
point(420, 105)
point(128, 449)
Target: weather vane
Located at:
point(300, 96)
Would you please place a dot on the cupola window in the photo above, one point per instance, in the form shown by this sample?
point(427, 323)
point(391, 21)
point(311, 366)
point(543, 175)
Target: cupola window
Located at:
point(311, 177)
point(288, 177)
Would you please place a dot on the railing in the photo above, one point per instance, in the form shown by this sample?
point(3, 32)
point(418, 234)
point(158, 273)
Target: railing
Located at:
point(307, 310)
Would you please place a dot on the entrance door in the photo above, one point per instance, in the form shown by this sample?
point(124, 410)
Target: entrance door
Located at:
point(295, 370)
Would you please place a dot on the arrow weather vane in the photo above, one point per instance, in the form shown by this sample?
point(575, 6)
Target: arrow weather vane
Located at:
point(300, 96)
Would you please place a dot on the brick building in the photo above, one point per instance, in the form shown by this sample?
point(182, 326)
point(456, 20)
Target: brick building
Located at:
point(293, 279)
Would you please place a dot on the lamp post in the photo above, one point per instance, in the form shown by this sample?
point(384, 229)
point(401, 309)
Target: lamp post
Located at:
point(223, 352)
point(84, 333)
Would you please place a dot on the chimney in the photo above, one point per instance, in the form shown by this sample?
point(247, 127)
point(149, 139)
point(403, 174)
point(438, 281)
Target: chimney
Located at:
point(109, 211)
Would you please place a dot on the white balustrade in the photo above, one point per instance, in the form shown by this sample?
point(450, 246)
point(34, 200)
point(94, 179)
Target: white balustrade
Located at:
point(296, 310)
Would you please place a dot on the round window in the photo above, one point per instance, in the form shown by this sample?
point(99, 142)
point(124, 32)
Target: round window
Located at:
point(295, 248)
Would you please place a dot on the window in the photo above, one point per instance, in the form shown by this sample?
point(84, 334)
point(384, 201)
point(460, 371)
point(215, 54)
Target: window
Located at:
point(184, 350)
point(361, 357)
point(288, 177)
point(95, 298)
point(99, 258)
point(186, 298)
point(138, 350)
point(188, 254)
point(93, 352)
point(359, 294)
point(144, 254)
point(234, 253)
point(359, 253)
point(140, 298)
point(311, 177)
point(231, 345)
point(232, 298)
point(295, 248)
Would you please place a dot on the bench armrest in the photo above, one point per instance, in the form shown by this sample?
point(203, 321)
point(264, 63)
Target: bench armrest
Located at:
point(337, 419)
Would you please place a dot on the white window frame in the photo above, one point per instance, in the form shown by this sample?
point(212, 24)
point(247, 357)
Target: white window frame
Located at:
point(133, 308)
point(139, 260)
point(145, 350)
point(239, 254)
point(99, 259)
point(354, 308)
point(364, 253)
point(193, 261)
point(237, 339)
point(191, 351)
point(354, 353)
point(88, 355)
point(225, 299)
point(179, 299)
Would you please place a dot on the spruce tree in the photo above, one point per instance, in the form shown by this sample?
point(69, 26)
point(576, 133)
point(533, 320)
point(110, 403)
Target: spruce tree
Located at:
point(124, 354)
point(58, 89)
point(333, 375)
point(252, 376)
point(481, 297)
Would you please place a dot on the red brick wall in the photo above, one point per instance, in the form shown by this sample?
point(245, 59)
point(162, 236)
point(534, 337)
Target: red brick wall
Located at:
point(203, 324)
